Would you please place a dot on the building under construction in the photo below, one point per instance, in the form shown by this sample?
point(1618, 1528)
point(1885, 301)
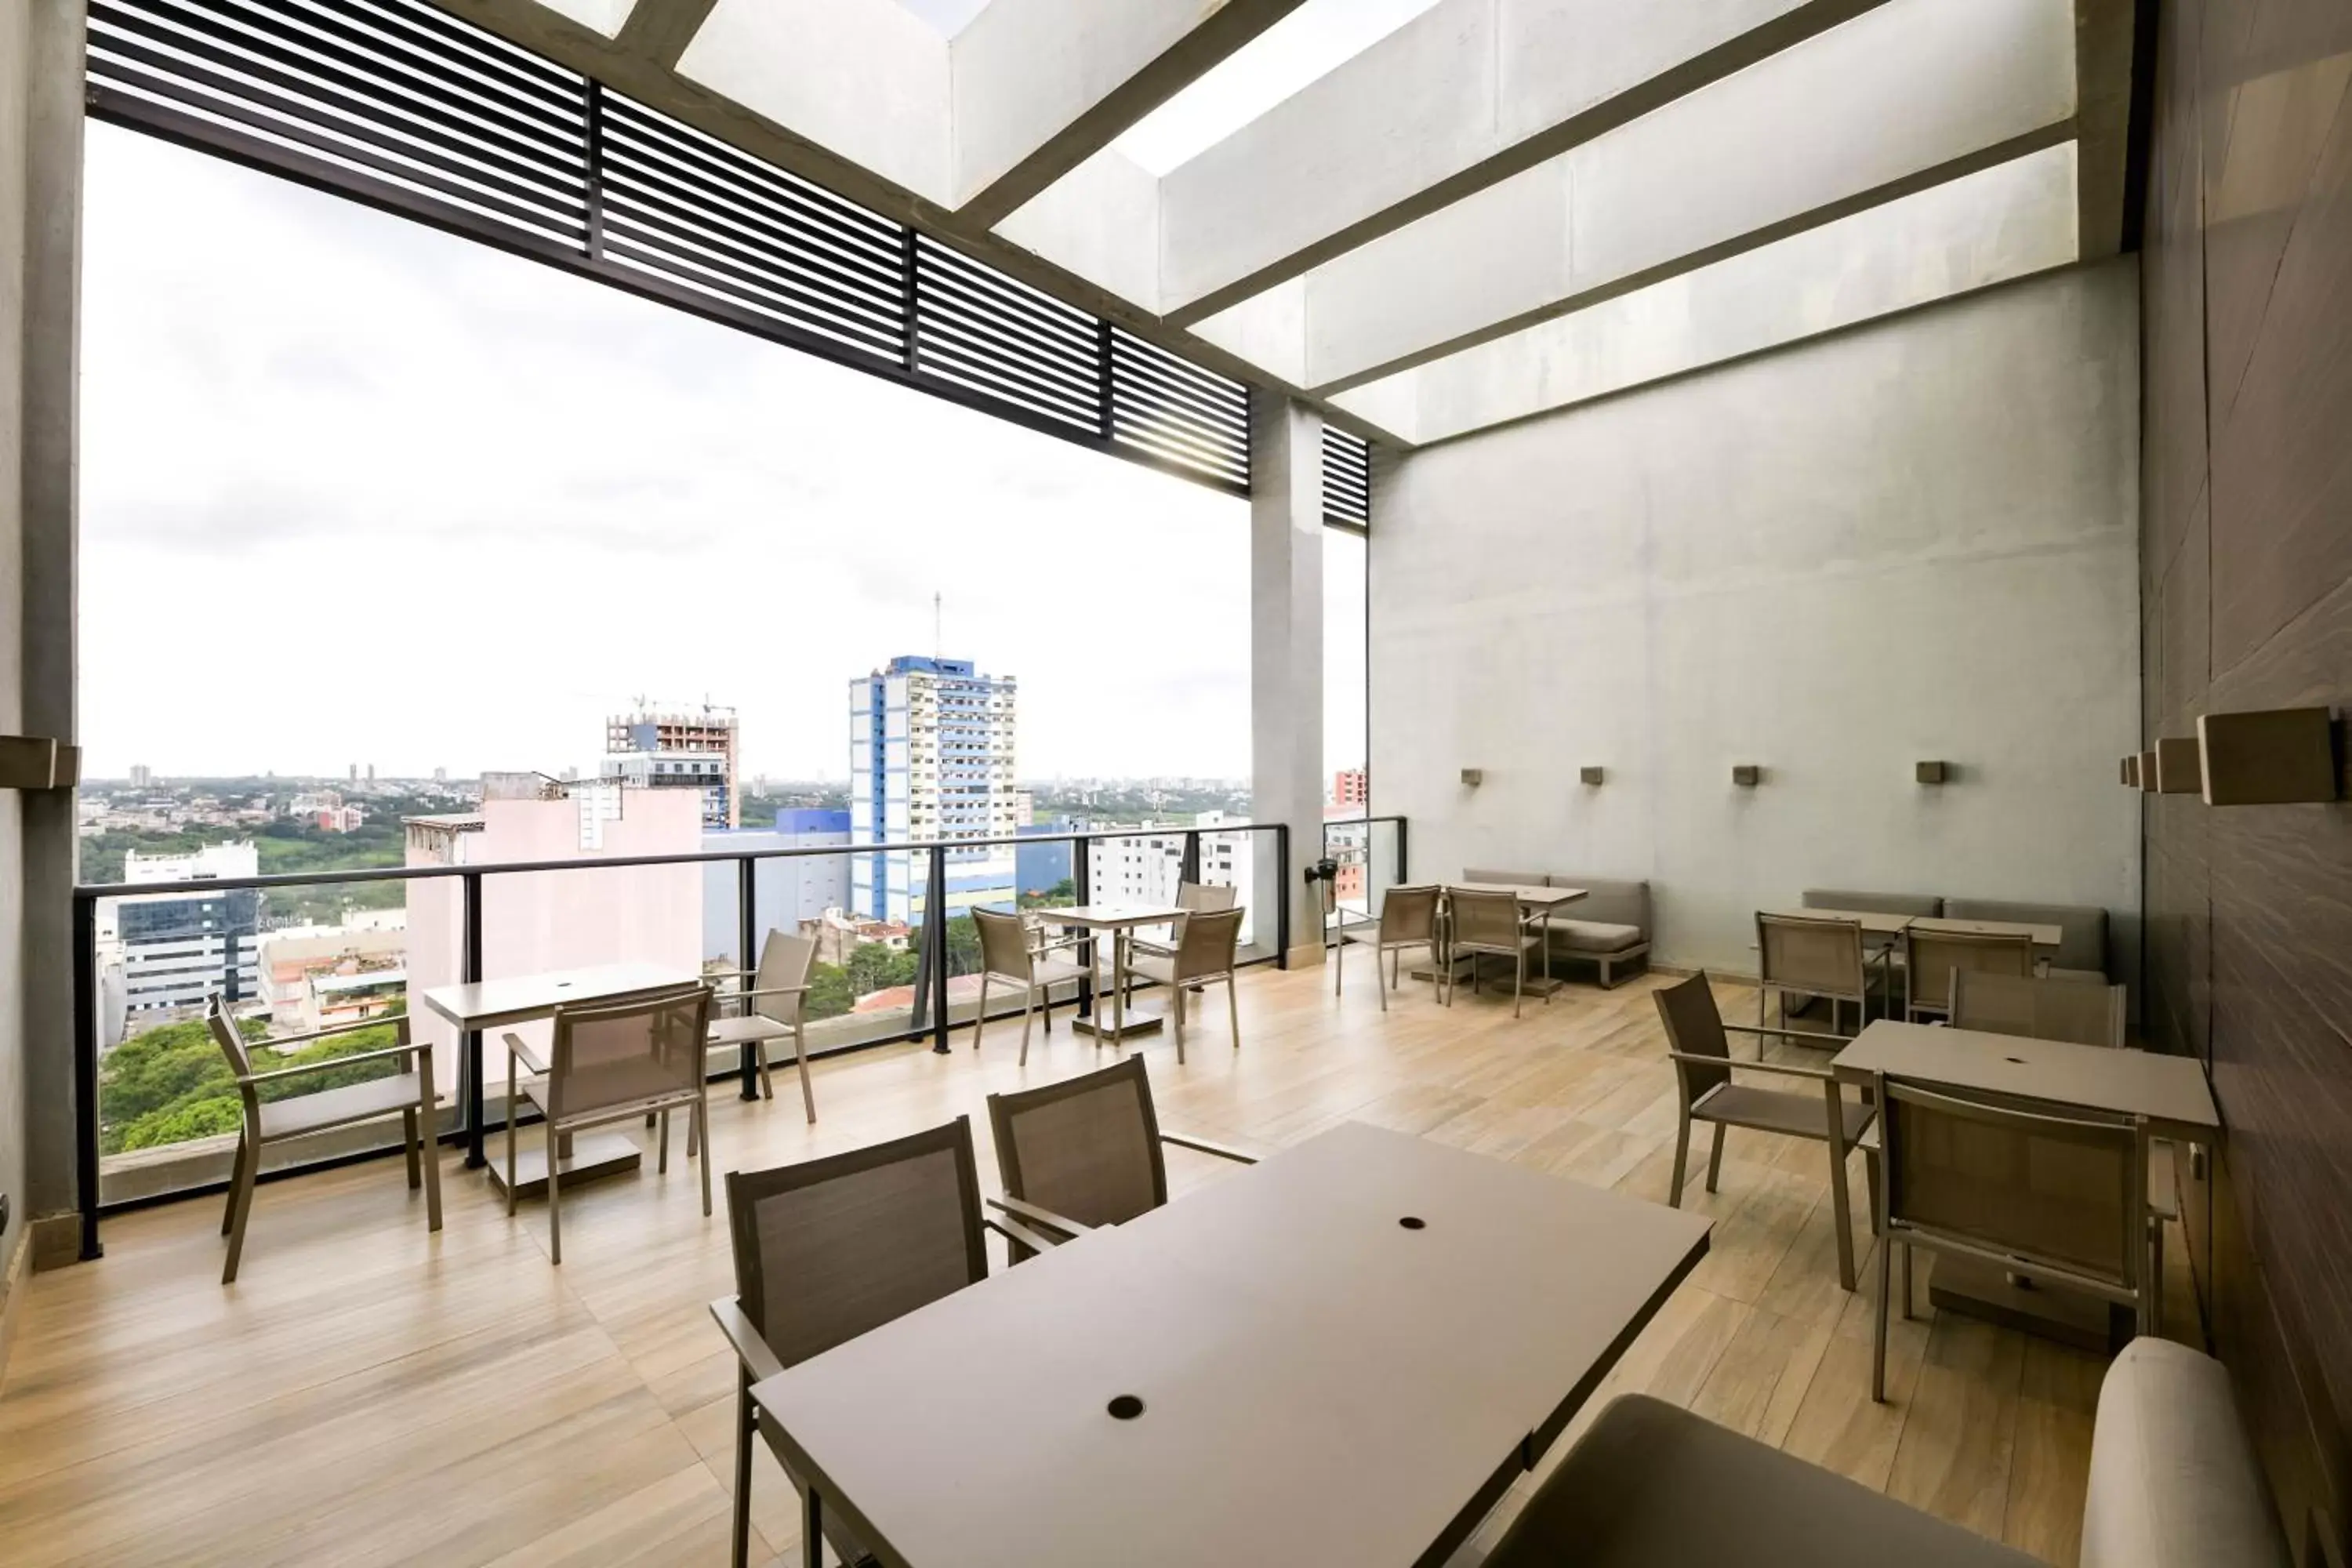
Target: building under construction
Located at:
point(680, 747)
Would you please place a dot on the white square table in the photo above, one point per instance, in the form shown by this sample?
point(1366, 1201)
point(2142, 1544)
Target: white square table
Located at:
point(478, 1004)
point(1122, 921)
point(1342, 1357)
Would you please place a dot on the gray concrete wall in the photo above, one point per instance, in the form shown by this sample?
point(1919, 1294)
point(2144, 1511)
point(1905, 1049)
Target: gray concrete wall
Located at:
point(1914, 541)
point(15, 49)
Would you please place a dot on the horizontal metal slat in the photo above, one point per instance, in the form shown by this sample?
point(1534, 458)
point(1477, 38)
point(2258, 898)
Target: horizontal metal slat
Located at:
point(798, 266)
point(629, 181)
point(695, 273)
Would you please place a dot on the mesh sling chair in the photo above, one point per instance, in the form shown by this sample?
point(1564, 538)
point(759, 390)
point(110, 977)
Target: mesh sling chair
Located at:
point(1010, 953)
point(612, 1061)
point(408, 1095)
point(1801, 955)
point(1408, 918)
point(1085, 1152)
point(773, 1007)
point(828, 1249)
point(2087, 1012)
point(1699, 1043)
point(2061, 1196)
point(1482, 923)
point(1206, 952)
point(1931, 957)
point(1192, 898)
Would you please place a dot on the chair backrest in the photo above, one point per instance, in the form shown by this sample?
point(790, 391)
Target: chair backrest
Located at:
point(1087, 1148)
point(826, 1249)
point(1820, 957)
point(1927, 904)
point(225, 1035)
point(1208, 944)
point(1409, 914)
point(616, 1053)
point(2082, 928)
point(1931, 956)
point(784, 961)
point(1205, 896)
point(1484, 920)
point(1508, 879)
point(1004, 944)
point(1695, 1025)
point(2066, 1191)
point(2089, 1012)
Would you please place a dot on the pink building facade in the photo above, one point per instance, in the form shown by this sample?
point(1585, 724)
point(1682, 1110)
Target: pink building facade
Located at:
point(552, 920)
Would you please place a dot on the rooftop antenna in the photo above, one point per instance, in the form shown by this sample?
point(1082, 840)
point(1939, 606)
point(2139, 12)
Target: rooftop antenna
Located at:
point(939, 643)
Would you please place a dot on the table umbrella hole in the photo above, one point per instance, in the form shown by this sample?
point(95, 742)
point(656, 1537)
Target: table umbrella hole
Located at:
point(1413, 1222)
point(1126, 1407)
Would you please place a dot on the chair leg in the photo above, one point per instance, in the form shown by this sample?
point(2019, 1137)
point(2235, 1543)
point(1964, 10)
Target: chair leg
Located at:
point(1878, 1339)
point(1234, 1002)
point(1519, 979)
point(511, 1098)
point(1840, 1203)
point(702, 1119)
point(1682, 1156)
point(811, 1530)
point(428, 1120)
point(1178, 992)
point(1339, 969)
point(746, 1431)
point(767, 1084)
point(1715, 1158)
point(1907, 1284)
point(980, 1020)
point(694, 1130)
point(1384, 990)
point(1028, 1013)
point(555, 1203)
point(235, 1180)
point(241, 1206)
point(408, 1147)
point(661, 1161)
point(800, 1059)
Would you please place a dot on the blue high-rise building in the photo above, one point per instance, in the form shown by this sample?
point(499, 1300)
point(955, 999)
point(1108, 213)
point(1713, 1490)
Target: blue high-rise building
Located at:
point(930, 761)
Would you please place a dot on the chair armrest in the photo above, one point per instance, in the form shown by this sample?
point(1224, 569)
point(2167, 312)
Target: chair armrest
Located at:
point(768, 991)
point(518, 1048)
point(332, 1030)
point(1037, 1216)
point(1182, 1141)
point(1013, 1230)
point(1819, 1074)
point(751, 1348)
point(300, 1068)
point(1814, 1036)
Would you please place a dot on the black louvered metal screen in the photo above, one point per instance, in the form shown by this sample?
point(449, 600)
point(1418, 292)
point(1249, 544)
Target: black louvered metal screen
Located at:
point(400, 105)
point(1347, 479)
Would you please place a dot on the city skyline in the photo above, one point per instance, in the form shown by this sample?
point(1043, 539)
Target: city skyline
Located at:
point(453, 508)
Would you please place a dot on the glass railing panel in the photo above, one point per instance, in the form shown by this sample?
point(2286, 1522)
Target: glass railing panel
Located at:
point(288, 962)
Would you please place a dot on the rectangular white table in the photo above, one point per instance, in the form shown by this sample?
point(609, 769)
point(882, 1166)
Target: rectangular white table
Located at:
point(2170, 1091)
point(1122, 922)
point(1323, 1385)
point(479, 1004)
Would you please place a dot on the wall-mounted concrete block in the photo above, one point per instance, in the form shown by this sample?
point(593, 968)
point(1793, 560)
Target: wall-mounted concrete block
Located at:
point(2178, 768)
point(2131, 771)
point(1746, 776)
point(1590, 775)
point(2281, 757)
point(35, 761)
point(2148, 773)
point(1930, 773)
point(1474, 777)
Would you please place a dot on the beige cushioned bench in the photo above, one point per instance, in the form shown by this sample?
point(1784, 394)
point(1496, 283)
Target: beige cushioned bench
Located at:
point(2173, 1483)
point(1609, 926)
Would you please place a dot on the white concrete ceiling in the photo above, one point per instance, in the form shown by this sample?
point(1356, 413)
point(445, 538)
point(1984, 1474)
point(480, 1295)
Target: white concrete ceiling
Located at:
point(1429, 216)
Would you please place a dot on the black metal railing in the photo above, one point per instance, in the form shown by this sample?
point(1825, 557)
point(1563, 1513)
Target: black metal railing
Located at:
point(929, 1015)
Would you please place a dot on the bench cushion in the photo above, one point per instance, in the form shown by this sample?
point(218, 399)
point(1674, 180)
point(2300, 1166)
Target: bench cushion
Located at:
point(1653, 1485)
point(2085, 926)
point(1508, 879)
point(1925, 904)
point(1607, 901)
point(1593, 936)
point(2173, 1480)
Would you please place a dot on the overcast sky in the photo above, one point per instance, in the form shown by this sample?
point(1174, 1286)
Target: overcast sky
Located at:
point(354, 490)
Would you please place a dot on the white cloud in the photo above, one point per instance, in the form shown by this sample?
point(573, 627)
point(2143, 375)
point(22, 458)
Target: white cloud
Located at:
point(355, 490)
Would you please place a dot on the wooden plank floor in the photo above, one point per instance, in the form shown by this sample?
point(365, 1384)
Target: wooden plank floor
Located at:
point(367, 1394)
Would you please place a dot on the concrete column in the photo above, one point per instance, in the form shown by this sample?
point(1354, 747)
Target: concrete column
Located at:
point(1286, 656)
point(46, 631)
